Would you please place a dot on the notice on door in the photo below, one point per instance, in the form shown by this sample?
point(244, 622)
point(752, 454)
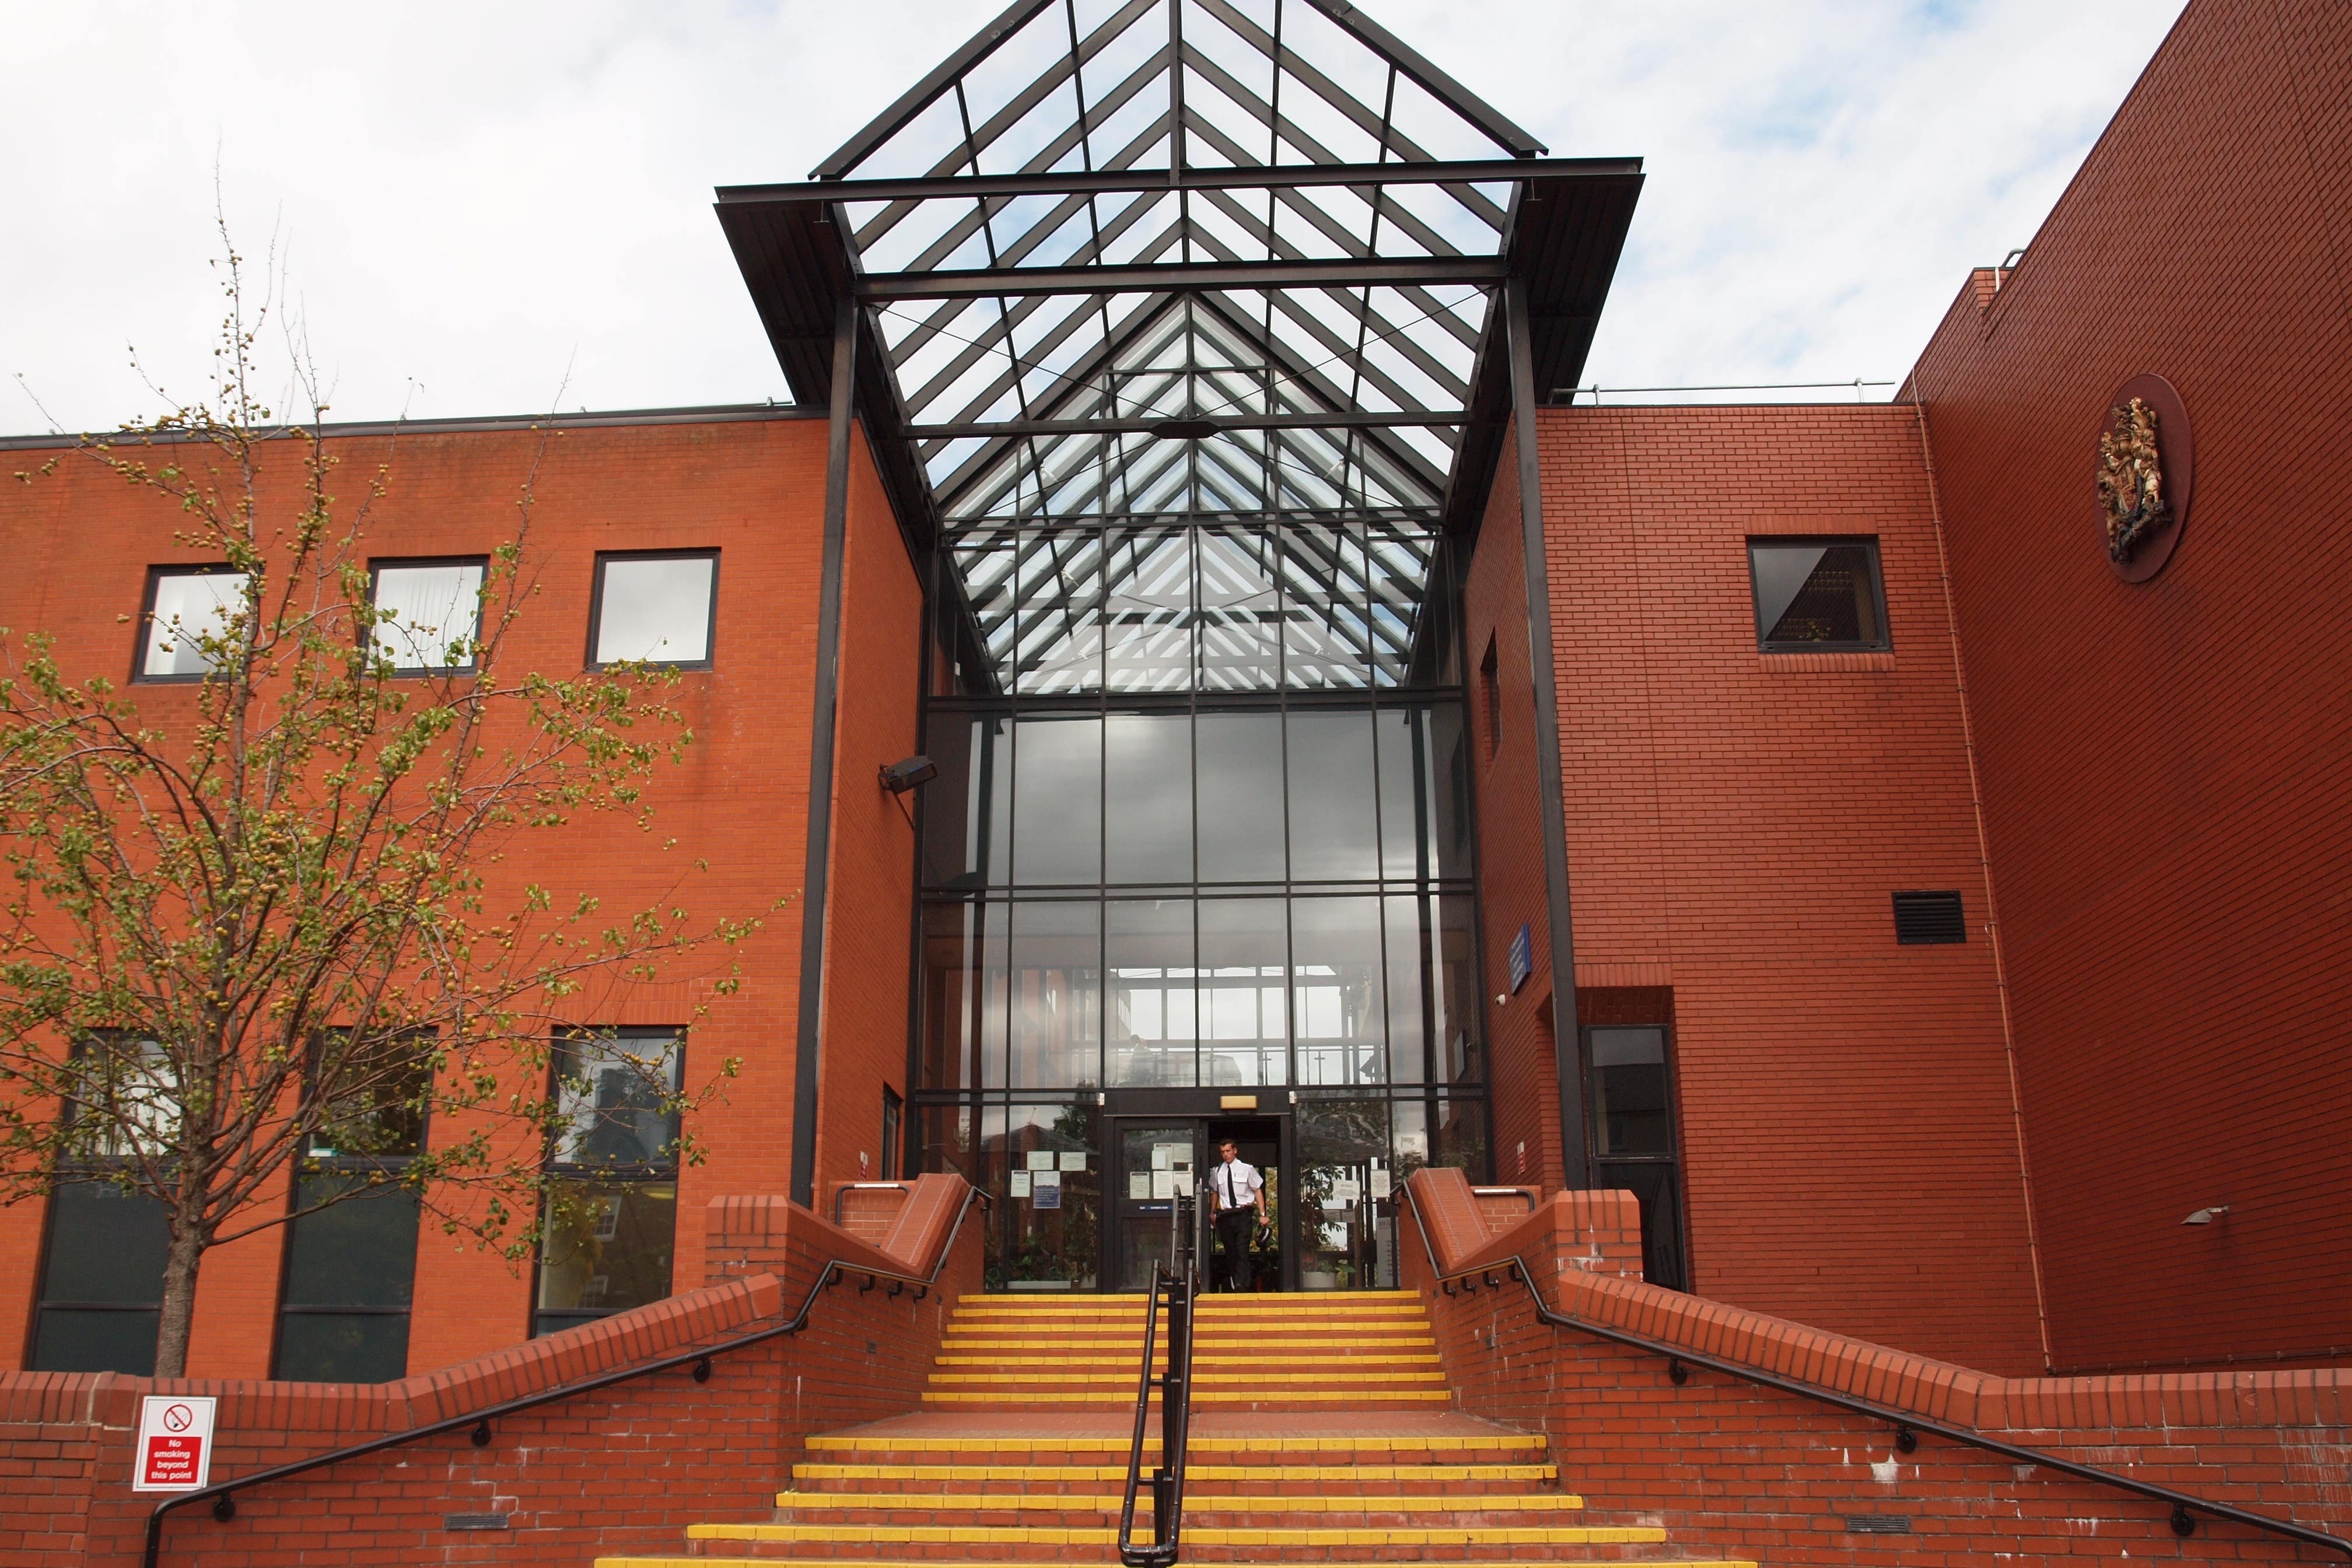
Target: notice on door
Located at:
point(175, 1453)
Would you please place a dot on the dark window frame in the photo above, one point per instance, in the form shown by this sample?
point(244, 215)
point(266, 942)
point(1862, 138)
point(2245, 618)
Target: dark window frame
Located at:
point(1670, 1162)
point(583, 1172)
point(333, 1165)
point(376, 569)
point(1490, 696)
point(144, 630)
point(597, 608)
point(1883, 643)
point(894, 1133)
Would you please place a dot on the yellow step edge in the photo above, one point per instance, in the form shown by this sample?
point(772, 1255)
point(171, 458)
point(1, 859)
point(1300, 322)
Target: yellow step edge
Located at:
point(711, 1561)
point(1199, 1341)
point(1406, 1359)
point(1335, 1443)
point(1204, 1473)
point(1063, 1298)
point(1202, 1396)
point(1272, 1535)
point(1199, 1379)
point(1107, 1502)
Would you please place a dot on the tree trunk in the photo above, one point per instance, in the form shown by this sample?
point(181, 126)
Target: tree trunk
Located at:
point(188, 1243)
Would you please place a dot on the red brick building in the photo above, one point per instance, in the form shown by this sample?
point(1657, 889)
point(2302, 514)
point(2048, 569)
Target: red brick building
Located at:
point(1945, 914)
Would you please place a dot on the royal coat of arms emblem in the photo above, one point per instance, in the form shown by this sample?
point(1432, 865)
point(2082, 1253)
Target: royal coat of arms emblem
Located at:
point(2131, 479)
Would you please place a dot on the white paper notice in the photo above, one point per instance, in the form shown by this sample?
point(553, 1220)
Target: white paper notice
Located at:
point(1138, 1185)
point(1020, 1183)
point(1076, 1162)
point(1163, 1183)
point(1048, 1179)
point(175, 1453)
point(1379, 1185)
point(1168, 1156)
point(1344, 1192)
point(1041, 1159)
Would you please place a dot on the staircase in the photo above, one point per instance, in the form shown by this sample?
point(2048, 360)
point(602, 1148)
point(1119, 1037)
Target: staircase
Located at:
point(1322, 1432)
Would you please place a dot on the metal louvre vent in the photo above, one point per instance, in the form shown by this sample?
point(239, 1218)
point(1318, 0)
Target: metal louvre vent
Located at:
point(1882, 1523)
point(1923, 918)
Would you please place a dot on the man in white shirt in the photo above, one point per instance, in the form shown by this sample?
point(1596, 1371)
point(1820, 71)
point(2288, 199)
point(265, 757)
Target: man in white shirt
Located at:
point(1240, 1194)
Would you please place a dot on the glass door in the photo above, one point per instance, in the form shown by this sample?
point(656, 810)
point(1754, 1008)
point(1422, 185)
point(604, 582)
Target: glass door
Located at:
point(1154, 1158)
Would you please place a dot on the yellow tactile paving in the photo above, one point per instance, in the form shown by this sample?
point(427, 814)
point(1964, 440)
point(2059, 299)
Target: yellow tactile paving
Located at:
point(1269, 1343)
point(711, 1561)
point(1199, 1379)
point(1200, 1397)
point(1108, 1502)
point(943, 1474)
point(1199, 1358)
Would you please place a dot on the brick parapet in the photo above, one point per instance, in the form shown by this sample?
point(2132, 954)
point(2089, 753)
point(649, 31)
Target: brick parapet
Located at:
point(1734, 1469)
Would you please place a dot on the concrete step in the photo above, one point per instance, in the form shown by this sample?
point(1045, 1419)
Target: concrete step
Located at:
point(1201, 1479)
point(1295, 1511)
point(1254, 1543)
point(1329, 1449)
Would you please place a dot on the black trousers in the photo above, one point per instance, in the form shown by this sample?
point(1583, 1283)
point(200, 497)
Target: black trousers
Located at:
point(1235, 1228)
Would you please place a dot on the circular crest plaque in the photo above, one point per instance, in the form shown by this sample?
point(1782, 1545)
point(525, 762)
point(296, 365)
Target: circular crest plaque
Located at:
point(2146, 465)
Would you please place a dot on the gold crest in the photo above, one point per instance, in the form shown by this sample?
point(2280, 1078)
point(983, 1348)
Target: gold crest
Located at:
point(2131, 479)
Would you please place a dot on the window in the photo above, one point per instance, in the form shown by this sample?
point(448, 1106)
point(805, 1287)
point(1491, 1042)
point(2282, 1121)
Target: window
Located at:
point(351, 1267)
point(1633, 1110)
point(102, 1264)
point(186, 607)
point(1490, 693)
point(609, 1224)
point(661, 609)
point(1816, 595)
point(1926, 919)
point(894, 1114)
point(432, 614)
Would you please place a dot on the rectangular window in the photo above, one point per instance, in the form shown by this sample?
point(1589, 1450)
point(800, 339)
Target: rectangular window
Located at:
point(1817, 595)
point(894, 1116)
point(659, 608)
point(350, 1265)
point(101, 1281)
point(431, 614)
point(1930, 917)
point(1490, 693)
point(188, 607)
point(609, 1224)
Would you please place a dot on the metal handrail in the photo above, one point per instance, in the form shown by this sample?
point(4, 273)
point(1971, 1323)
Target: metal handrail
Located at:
point(223, 1493)
point(1908, 1427)
point(1182, 1286)
point(841, 1194)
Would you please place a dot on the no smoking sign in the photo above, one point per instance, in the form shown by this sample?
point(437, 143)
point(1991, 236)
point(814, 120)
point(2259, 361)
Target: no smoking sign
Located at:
point(175, 1453)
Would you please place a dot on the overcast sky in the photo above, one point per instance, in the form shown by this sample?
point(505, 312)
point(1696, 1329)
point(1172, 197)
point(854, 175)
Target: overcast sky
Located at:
point(481, 204)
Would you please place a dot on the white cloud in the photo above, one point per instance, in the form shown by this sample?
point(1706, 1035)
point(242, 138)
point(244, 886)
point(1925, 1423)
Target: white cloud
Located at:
point(474, 197)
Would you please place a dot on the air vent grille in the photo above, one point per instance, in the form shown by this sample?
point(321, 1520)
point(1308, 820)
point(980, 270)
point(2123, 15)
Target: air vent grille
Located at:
point(1921, 918)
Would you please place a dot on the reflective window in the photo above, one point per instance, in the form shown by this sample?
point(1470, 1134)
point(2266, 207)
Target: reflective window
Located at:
point(1241, 610)
point(1425, 793)
point(1058, 584)
point(1147, 798)
point(1334, 833)
point(1338, 1002)
point(1327, 627)
point(1245, 1004)
point(1056, 1034)
point(968, 810)
point(351, 1270)
point(101, 1281)
point(1239, 774)
point(608, 1217)
point(657, 608)
point(430, 614)
point(1153, 1025)
point(1057, 802)
point(964, 990)
point(1042, 1165)
point(1814, 594)
point(1633, 1107)
point(187, 608)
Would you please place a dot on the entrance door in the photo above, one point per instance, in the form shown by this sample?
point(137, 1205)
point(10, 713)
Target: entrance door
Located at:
point(1258, 1140)
point(1152, 1158)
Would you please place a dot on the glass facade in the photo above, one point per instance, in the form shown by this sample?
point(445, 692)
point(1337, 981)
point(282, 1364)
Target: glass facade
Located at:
point(1201, 823)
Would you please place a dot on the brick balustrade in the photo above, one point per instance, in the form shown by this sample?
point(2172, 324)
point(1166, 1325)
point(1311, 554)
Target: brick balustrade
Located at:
point(1754, 1472)
point(617, 1468)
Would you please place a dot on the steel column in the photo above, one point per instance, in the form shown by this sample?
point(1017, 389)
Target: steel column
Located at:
point(1567, 1048)
point(809, 1039)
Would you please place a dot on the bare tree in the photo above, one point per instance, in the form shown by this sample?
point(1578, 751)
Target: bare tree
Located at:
point(295, 918)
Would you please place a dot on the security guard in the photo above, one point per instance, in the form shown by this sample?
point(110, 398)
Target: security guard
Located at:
point(1240, 1192)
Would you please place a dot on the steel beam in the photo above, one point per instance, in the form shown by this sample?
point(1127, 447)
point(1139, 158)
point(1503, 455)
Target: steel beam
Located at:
point(1114, 182)
point(1150, 424)
point(1182, 277)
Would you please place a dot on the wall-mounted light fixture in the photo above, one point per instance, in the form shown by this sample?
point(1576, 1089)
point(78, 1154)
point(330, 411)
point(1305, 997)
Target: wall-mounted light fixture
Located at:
point(905, 774)
point(2207, 1215)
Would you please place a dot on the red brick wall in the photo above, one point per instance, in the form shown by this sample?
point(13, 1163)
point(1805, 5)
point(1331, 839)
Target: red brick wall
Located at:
point(1736, 824)
point(2168, 767)
point(1731, 1470)
point(1524, 1076)
point(752, 488)
point(869, 904)
point(621, 1470)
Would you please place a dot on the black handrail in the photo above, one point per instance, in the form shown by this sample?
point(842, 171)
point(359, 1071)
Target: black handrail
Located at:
point(1907, 1426)
point(1175, 1384)
point(223, 1493)
point(841, 1194)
